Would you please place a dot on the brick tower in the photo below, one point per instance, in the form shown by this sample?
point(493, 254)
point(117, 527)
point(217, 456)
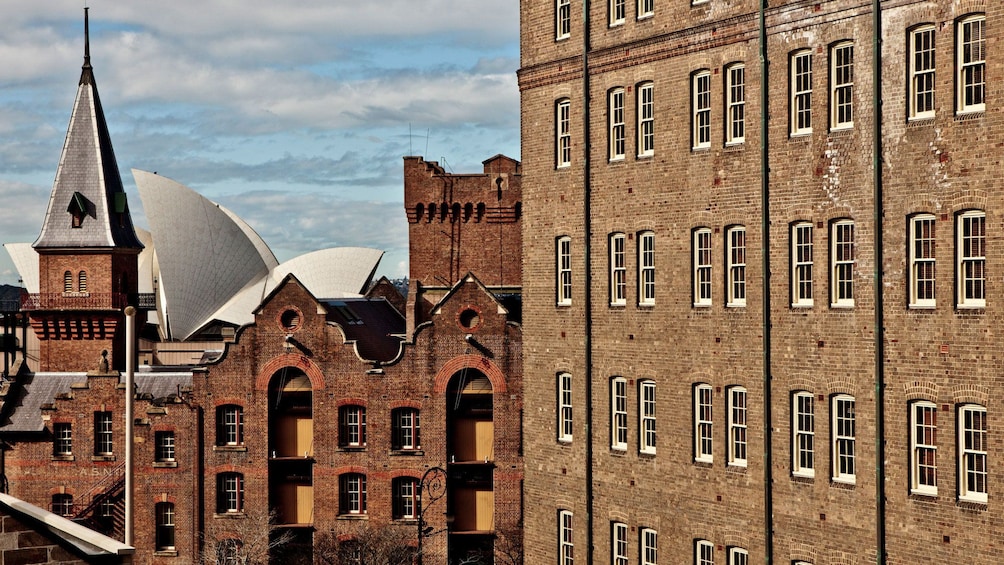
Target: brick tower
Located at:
point(87, 249)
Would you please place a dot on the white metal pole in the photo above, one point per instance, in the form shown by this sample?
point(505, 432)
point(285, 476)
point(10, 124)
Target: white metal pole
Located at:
point(130, 395)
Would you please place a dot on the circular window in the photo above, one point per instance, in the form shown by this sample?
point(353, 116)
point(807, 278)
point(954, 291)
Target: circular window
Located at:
point(290, 319)
point(469, 318)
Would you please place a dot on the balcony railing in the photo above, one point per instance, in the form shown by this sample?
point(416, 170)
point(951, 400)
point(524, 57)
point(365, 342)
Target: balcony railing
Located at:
point(87, 301)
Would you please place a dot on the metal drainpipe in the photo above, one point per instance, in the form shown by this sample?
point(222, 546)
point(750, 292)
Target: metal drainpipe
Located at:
point(587, 257)
point(880, 556)
point(768, 460)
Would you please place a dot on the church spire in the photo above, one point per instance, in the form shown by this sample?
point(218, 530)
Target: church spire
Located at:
point(87, 73)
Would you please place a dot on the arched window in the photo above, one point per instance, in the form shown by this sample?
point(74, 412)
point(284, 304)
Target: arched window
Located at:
point(455, 212)
point(67, 281)
point(468, 211)
point(419, 212)
point(82, 281)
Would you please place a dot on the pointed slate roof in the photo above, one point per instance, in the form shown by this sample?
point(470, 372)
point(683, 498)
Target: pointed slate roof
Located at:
point(87, 179)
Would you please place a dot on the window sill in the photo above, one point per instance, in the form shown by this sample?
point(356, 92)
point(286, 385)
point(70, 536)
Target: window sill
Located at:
point(841, 306)
point(924, 495)
point(229, 516)
point(407, 452)
point(647, 16)
point(702, 305)
point(700, 149)
point(972, 503)
point(165, 464)
point(802, 305)
point(800, 136)
point(921, 307)
point(736, 305)
point(618, 305)
point(841, 131)
point(165, 553)
point(618, 159)
point(736, 467)
point(920, 121)
point(102, 458)
point(618, 451)
point(969, 115)
point(352, 517)
point(563, 167)
point(706, 463)
point(645, 156)
point(230, 448)
point(804, 478)
point(563, 37)
point(646, 305)
point(646, 453)
point(63, 458)
point(971, 309)
point(564, 441)
point(843, 482)
point(563, 305)
point(405, 520)
point(351, 448)
point(735, 146)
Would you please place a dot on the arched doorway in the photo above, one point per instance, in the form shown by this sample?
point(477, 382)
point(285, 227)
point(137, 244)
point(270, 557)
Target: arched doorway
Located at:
point(291, 457)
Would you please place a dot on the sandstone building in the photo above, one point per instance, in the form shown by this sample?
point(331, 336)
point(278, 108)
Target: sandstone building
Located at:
point(761, 263)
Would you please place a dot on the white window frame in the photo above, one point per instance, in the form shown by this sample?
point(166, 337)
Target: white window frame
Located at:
point(618, 12)
point(618, 543)
point(231, 424)
point(566, 541)
point(737, 413)
point(971, 64)
point(615, 108)
point(922, 249)
point(801, 264)
point(924, 448)
point(735, 268)
point(971, 260)
point(801, 92)
point(704, 552)
point(844, 444)
point(700, 104)
point(407, 433)
point(922, 72)
point(354, 486)
point(646, 268)
point(842, 86)
point(618, 414)
point(618, 269)
point(738, 556)
point(232, 497)
point(646, 9)
point(646, 417)
point(842, 264)
point(646, 117)
point(702, 267)
point(648, 550)
point(104, 438)
point(735, 104)
point(563, 133)
point(563, 265)
point(62, 504)
point(973, 474)
point(165, 526)
point(565, 412)
point(704, 438)
point(803, 434)
point(562, 19)
point(164, 446)
point(62, 439)
point(406, 492)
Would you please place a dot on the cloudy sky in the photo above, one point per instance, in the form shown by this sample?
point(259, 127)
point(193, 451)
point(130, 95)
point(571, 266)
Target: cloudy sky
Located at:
point(294, 114)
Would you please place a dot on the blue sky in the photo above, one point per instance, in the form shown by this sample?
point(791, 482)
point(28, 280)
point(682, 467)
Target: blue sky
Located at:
point(295, 114)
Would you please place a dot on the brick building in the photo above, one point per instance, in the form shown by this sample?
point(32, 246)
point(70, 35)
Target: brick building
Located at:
point(327, 428)
point(719, 218)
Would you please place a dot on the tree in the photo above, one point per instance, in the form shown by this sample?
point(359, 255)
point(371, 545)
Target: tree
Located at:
point(246, 539)
point(386, 545)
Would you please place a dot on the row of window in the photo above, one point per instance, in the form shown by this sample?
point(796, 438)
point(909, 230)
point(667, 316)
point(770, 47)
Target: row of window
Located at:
point(970, 95)
point(971, 428)
point(405, 427)
point(970, 264)
point(352, 495)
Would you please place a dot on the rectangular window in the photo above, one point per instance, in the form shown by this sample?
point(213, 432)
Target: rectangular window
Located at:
point(735, 104)
point(972, 257)
point(801, 264)
point(566, 546)
point(702, 267)
point(922, 245)
point(924, 448)
point(165, 526)
point(801, 92)
point(62, 439)
point(921, 96)
point(803, 431)
point(352, 490)
point(704, 553)
point(735, 239)
point(843, 439)
point(646, 120)
point(842, 86)
point(703, 438)
point(972, 55)
point(62, 504)
point(737, 425)
point(646, 417)
point(646, 8)
point(973, 453)
point(564, 267)
point(230, 425)
point(646, 268)
point(565, 421)
point(616, 109)
point(618, 10)
point(618, 413)
point(563, 19)
point(405, 501)
point(842, 256)
point(618, 270)
point(738, 556)
point(103, 433)
point(407, 427)
point(618, 543)
point(563, 133)
point(164, 447)
point(229, 493)
point(649, 550)
point(701, 108)
point(352, 426)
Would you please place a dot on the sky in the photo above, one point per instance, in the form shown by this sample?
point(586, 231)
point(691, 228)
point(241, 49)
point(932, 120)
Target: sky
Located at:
point(294, 114)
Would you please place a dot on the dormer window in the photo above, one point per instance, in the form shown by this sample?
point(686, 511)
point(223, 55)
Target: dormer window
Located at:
point(78, 209)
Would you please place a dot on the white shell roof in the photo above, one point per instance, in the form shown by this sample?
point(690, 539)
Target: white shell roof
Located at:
point(25, 259)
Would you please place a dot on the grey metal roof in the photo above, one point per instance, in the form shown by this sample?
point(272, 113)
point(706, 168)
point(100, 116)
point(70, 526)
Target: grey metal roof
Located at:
point(87, 177)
